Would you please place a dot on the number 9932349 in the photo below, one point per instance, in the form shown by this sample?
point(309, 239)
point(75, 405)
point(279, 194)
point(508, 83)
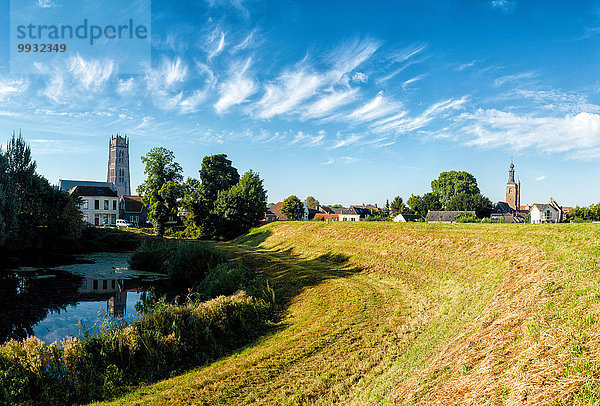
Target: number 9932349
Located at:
point(41, 47)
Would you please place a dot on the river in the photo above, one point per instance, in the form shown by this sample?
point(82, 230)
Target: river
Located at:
point(53, 303)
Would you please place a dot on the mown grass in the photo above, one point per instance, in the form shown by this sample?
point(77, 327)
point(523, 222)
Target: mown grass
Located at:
point(380, 313)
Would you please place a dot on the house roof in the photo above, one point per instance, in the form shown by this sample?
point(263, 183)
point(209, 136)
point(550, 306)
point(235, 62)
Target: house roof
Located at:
point(93, 191)
point(502, 208)
point(444, 215)
point(326, 209)
point(67, 184)
point(276, 209)
point(409, 217)
point(345, 211)
point(132, 204)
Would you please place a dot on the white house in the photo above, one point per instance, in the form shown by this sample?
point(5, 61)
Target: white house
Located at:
point(347, 214)
point(404, 218)
point(544, 213)
point(99, 204)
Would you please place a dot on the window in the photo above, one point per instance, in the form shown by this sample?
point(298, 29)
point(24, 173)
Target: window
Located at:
point(113, 219)
point(95, 284)
point(104, 284)
point(97, 219)
point(113, 283)
point(97, 204)
point(105, 219)
point(114, 205)
point(106, 205)
point(84, 204)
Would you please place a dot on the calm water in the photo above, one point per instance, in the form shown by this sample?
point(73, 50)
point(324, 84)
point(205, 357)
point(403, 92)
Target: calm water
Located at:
point(66, 300)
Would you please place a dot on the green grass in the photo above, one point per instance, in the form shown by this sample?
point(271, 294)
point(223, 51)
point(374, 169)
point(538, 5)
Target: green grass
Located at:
point(381, 313)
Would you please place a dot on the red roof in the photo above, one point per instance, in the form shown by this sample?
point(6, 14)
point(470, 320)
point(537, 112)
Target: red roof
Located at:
point(325, 216)
point(276, 209)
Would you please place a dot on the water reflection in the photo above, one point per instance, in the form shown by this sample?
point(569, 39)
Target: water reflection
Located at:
point(56, 302)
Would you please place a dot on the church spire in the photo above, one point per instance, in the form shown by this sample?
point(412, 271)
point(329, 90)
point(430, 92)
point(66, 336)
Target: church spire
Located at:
point(511, 172)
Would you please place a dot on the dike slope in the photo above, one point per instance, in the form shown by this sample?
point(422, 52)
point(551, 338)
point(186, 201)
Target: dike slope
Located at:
point(388, 313)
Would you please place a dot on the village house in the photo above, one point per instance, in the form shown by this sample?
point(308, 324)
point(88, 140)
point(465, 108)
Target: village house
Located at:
point(405, 218)
point(133, 210)
point(276, 210)
point(347, 214)
point(551, 212)
point(99, 205)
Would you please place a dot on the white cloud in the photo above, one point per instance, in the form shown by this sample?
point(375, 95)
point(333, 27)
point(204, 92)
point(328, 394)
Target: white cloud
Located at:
point(512, 78)
point(92, 74)
point(540, 178)
point(329, 162)
point(11, 87)
point(578, 135)
point(191, 103)
point(359, 77)
point(169, 74)
point(307, 139)
point(246, 43)
point(401, 124)
point(329, 103)
point(125, 87)
point(504, 5)
point(219, 44)
point(290, 89)
point(236, 89)
point(301, 83)
point(405, 57)
point(344, 142)
point(377, 107)
point(46, 3)
point(413, 80)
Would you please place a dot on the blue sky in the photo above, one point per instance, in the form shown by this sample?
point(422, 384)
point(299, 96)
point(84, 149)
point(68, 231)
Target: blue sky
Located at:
point(348, 101)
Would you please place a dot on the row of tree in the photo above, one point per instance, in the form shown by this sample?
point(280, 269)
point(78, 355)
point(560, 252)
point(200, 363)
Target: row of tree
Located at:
point(452, 190)
point(219, 203)
point(34, 216)
point(589, 213)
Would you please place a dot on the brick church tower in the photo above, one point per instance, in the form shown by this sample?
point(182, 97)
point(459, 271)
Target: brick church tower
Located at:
point(118, 164)
point(513, 189)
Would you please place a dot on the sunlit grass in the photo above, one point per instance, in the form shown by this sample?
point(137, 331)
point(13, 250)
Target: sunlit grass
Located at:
point(380, 313)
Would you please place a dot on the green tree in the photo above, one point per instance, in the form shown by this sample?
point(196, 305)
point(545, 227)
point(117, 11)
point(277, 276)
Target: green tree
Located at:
point(422, 204)
point(241, 207)
point(8, 209)
point(465, 202)
point(311, 202)
point(162, 188)
point(452, 183)
point(216, 175)
point(397, 206)
point(292, 208)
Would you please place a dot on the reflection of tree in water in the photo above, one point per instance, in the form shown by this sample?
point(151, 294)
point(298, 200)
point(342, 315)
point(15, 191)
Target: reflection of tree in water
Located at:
point(26, 298)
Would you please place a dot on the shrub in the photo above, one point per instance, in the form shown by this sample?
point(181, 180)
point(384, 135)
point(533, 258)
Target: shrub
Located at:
point(169, 339)
point(187, 261)
point(466, 217)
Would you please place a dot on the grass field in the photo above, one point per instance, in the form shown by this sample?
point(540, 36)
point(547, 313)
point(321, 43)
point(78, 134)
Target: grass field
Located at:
point(386, 313)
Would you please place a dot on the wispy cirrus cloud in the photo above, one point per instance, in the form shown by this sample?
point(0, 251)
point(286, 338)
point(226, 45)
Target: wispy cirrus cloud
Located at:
point(11, 87)
point(514, 78)
point(505, 5)
point(329, 103)
point(377, 107)
point(577, 135)
point(237, 88)
point(344, 142)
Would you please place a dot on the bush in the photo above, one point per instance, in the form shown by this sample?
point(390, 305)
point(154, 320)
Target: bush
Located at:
point(168, 339)
point(466, 217)
point(186, 261)
point(230, 277)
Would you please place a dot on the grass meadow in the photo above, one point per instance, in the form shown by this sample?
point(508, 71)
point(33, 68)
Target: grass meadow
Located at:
point(388, 313)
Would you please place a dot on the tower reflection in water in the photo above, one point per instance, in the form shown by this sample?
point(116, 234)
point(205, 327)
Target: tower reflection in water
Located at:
point(111, 289)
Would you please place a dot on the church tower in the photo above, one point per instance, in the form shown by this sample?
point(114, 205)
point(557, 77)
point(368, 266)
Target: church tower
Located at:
point(513, 189)
point(118, 164)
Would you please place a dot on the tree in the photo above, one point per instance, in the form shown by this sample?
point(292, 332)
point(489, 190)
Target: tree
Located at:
point(465, 202)
point(162, 187)
point(292, 208)
point(452, 183)
point(311, 202)
point(397, 206)
point(241, 207)
point(216, 175)
point(8, 212)
point(387, 209)
point(422, 204)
